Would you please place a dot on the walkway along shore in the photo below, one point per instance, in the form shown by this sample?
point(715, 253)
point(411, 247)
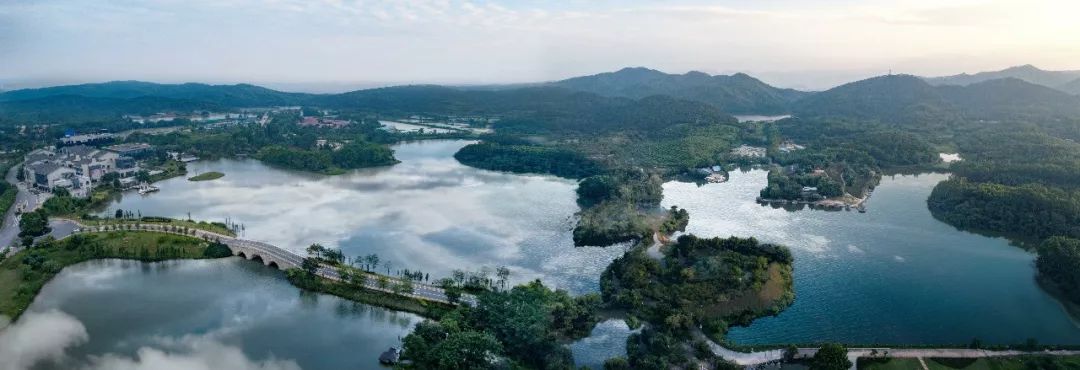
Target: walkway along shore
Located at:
point(282, 258)
point(777, 355)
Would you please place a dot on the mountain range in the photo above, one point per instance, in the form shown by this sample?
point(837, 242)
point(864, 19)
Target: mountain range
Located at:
point(1067, 81)
point(906, 99)
point(893, 98)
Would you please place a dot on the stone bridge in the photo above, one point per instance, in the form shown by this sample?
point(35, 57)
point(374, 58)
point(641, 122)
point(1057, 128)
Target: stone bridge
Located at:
point(279, 258)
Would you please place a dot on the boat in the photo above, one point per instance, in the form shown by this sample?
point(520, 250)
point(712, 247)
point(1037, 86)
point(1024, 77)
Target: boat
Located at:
point(147, 189)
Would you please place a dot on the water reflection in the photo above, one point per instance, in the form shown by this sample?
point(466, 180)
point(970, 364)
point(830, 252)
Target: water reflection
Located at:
point(429, 213)
point(181, 308)
point(891, 275)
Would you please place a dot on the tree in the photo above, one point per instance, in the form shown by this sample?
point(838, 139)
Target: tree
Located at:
point(372, 261)
point(119, 213)
point(504, 275)
point(465, 350)
point(310, 265)
point(333, 255)
point(34, 224)
point(617, 363)
point(316, 250)
point(831, 356)
point(790, 352)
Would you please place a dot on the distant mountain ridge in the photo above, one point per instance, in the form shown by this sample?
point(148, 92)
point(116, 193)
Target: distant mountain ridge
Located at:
point(239, 95)
point(909, 100)
point(738, 93)
point(1067, 81)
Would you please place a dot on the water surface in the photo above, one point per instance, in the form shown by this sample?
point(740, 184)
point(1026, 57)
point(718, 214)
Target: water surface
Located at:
point(891, 275)
point(428, 212)
point(159, 313)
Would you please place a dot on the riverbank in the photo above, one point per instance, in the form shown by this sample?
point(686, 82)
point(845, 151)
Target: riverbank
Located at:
point(23, 274)
point(426, 308)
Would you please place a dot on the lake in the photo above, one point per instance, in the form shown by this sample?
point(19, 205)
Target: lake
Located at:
point(427, 213)
point(228, 313)
point(891, 275)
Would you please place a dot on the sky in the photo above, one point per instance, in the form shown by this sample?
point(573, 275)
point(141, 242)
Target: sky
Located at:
point(320, 44)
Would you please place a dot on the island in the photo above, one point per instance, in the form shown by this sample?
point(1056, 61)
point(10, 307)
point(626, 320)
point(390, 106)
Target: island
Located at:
point(207, 176)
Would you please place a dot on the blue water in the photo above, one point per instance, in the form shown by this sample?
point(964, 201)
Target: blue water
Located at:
point(891, 275)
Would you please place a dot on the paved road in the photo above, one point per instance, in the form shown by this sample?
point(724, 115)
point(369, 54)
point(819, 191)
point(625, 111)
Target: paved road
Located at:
point(9, 229)
point(776, 355)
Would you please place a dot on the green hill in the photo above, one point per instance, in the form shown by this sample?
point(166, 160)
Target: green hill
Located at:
point(738, 93)
point(893, 99)
point(240, 95)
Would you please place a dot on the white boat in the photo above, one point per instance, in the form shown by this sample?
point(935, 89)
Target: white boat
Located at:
point(147, 189)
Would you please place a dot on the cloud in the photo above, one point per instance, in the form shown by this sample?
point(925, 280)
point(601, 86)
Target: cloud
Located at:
point(38, 337)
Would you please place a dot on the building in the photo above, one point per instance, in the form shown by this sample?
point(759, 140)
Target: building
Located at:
point(48, 176)
point(130, 149)
point(75, 168)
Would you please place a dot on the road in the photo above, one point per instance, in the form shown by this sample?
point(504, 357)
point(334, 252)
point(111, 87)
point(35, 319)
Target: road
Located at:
point(9, 230)
point(776, 355)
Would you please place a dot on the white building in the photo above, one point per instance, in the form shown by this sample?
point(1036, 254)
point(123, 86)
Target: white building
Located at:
point(75, 168)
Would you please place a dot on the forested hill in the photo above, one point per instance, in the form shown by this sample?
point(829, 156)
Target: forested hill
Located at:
point(1071, 87)
point(530, 109)
point(74, 108)
point(909, 101)
point(240, 95)
point(895, 99)
point(737, 93)
point(1029, 73)
point(1011, 98)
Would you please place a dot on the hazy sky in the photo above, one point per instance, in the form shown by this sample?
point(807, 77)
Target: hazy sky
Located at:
point(796, 43)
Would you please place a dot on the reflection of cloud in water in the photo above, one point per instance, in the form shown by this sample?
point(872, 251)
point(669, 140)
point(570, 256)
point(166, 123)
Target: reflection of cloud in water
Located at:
point(38, 337)
point(428, 213)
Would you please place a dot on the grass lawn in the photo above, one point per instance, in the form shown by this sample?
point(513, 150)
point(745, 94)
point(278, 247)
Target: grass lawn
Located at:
point(889, 364)
point(207, 176)
point(23, 274)
point(201, 225)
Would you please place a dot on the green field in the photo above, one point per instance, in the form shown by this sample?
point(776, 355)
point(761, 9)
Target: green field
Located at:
point(207, 176)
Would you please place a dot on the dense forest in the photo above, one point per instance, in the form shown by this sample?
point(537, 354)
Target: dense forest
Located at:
point(699, 284)
point(520, 328)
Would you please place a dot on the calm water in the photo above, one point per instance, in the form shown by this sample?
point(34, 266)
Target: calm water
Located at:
point(429, 213)
point(891, 275)
point(226, 312)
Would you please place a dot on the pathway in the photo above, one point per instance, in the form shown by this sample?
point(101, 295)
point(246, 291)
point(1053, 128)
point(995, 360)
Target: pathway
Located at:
point(285, 259)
